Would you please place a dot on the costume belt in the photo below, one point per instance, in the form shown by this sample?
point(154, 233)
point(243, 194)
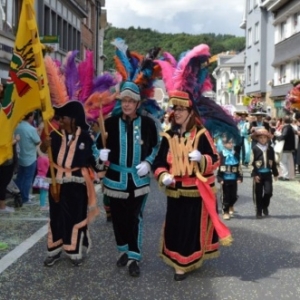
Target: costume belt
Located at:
point(209, 200)
point(264, 170)
point(122, 169)
point(93, 209)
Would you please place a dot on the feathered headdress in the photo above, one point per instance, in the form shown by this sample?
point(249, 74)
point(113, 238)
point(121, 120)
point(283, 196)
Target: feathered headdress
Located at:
point(190, 75)
point(76, 81)
point(138, 74)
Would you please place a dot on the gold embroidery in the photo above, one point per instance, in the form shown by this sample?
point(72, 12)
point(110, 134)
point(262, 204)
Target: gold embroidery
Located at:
point(258, 163)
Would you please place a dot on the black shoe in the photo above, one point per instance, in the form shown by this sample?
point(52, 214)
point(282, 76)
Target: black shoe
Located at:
point(134, 269)
point(258, 216)
point(123, 260)
point(76, 262)
point(108, 219)
point(180, 277)
point(265, 211)
point(51, 260)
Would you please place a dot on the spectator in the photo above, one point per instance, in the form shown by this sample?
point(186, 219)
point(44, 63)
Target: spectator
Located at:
point(29, 139)
point(286, 161)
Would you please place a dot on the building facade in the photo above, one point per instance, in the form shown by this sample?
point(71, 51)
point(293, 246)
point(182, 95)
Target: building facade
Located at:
point(64, 25)
point(286, 62)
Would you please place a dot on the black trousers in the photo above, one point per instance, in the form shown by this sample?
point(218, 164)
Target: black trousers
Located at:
point(127, 219)
point(229, 197)
point(262, 192)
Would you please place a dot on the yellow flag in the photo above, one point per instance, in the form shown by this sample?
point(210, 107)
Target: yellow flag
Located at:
point(27, 88)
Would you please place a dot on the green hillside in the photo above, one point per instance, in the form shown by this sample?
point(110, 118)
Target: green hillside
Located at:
point(141, 40)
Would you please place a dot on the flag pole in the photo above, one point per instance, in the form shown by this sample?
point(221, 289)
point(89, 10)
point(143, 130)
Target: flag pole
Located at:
point(37, 58)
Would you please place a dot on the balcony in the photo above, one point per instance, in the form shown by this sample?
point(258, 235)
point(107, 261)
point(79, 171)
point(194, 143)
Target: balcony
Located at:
point(287, 49)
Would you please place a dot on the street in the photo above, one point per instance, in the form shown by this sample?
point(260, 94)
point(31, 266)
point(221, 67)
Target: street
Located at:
point(263, 263)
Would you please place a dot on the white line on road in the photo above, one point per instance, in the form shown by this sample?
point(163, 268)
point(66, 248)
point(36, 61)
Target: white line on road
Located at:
point(13, 255)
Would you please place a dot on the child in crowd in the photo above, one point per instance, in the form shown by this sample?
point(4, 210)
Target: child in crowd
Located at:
point(40, 182)
point(229, 175)
point(264, 166)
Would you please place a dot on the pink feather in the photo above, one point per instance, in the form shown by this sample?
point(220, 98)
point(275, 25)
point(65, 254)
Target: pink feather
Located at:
point(180, 73)
point(167, 71)
point(58, 91)
point(86, 76)
point(170, 58)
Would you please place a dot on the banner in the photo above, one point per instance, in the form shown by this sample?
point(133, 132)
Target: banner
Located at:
point(27, 88)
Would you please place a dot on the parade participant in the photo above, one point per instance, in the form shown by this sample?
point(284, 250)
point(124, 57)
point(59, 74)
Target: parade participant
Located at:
point(264, 166)
point(229, 175)
point(75, 194)
point(131, 145)
point(185, 165)
point(244, 127)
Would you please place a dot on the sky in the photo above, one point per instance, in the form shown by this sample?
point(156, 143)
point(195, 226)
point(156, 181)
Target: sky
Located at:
point(177, 16)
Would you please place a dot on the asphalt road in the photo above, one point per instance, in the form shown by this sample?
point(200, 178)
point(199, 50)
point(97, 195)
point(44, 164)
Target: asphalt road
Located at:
point(262, 264)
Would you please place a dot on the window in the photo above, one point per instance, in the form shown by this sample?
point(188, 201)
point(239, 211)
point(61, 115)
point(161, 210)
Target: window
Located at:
point(251, 4)
point(256, 73)
point(249, 37)
point(296, 69)
point(256, 33)
point(296, 22)
point(283, 30)
point(8, 19)
point(249, 75)
point(282, 74)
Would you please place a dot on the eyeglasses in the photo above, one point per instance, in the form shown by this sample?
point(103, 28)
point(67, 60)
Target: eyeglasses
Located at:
point(180, 109)
point(130, 101)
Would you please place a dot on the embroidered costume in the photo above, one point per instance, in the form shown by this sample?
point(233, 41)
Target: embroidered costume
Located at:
point(229, 173)
point(244, 126)
point(129, 149)
point(186, 162)
point(72, 156)
point(264, 166)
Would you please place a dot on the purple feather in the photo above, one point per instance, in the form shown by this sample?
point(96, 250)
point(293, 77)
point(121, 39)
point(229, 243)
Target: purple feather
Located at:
point(103, 83)
point(71, 76)
point(170, 58)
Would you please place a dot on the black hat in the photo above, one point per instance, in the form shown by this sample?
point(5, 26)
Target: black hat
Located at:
point(74, 110)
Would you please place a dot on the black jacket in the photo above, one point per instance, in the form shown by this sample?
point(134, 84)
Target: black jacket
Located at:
point(288, 135)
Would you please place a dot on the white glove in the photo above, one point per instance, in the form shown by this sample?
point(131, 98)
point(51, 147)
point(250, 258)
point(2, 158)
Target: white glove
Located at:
point(167, 179)
point(195, 155)
point(104, 154)
point(143, 168)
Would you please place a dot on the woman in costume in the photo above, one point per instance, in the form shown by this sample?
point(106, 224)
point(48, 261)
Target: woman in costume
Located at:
point(185, 165)
point(72, 197)
point(75, 194)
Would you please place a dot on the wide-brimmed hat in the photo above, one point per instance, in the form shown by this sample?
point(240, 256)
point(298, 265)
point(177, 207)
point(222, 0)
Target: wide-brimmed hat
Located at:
point(259, 113)
point(241, 113)
point(74, 110)
point(260, 132)
point(130, 89)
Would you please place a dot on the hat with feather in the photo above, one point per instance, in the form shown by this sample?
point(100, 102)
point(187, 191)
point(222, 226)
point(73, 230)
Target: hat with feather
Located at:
point(75, 81)
point(138, 73)
point(190, 76)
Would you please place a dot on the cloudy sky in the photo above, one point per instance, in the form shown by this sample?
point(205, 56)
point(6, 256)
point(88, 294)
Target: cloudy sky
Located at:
point(176, 16)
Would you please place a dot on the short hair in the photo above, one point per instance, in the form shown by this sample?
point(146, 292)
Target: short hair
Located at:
point(287, 120)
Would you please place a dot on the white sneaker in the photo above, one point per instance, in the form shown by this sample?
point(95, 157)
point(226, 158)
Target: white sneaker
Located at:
point(31, 197)
point(7, 209)
point(29, 202)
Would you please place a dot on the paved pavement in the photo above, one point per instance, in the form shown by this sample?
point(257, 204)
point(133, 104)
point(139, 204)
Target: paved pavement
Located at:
point(263, 263)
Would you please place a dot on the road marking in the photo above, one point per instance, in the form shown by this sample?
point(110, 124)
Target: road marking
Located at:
point(16, 253)
point(13, 255)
